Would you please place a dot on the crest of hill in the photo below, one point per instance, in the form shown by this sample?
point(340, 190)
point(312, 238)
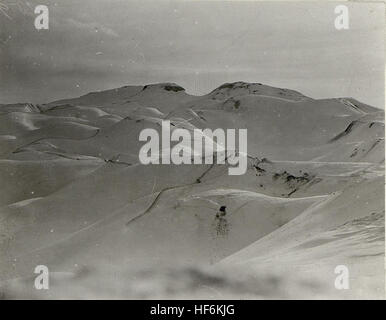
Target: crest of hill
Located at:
point(124, 94)
point(240, 88)
point(174, 94)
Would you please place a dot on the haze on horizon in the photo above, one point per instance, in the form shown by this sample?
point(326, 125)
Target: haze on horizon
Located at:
point(99, 44)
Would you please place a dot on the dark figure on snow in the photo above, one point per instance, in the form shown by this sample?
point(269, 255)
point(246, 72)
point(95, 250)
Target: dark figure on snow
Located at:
point(222, 212)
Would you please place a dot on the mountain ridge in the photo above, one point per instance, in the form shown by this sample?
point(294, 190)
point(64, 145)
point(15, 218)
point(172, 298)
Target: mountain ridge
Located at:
point(76, 196)
point(176, 88)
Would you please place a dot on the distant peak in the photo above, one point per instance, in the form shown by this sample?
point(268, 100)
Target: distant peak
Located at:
point(236, 85)
point(240, 88)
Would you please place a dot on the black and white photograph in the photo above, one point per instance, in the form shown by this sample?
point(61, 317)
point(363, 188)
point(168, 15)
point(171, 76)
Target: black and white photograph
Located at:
point(192, 150)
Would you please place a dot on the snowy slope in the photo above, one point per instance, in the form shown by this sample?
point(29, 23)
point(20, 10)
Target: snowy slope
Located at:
point(76, 198)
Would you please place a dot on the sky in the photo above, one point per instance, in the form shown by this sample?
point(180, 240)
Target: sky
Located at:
point(102, 44)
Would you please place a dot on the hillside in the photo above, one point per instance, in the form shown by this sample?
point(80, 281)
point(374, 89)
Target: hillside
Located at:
point(76, 198)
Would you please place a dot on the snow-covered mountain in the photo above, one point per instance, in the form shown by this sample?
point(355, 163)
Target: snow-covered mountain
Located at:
point(75, 197)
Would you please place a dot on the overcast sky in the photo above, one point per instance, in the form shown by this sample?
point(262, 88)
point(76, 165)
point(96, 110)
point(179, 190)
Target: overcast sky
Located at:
point(101, 44)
